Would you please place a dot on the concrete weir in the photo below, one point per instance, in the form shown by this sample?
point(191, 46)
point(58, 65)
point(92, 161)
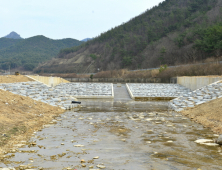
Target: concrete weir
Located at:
point(148, 91)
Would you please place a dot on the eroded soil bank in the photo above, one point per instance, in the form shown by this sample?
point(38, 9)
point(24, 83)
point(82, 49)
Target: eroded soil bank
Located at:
point(14, 79)
point(208, 114)
point(20, 116)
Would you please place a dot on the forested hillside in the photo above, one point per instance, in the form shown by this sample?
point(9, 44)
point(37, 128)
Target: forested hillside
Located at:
point(7, 42)
point(174, 32)
point(28, 53)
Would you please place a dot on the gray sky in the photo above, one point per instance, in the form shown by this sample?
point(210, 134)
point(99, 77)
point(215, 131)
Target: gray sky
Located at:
point(59, 19)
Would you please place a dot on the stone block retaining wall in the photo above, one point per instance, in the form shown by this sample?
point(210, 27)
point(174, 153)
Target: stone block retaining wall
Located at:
point(87, 90)
point(199, 96)
point(61, 95)
point(148, 91)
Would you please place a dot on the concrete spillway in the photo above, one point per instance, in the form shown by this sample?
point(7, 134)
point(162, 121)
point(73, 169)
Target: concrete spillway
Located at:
point(63, 94)
point(120, 92)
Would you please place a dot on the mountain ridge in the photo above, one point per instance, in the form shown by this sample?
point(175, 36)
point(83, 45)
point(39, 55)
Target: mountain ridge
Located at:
point(29, 52)
point(163, 35)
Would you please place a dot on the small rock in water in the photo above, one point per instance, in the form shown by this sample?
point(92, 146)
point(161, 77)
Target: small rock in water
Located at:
point(78, 145)
point(170, 141)
point(97, 157)
point(207, 142)
point(101, 166)
point(201, 141)
point(219, 140)
point(149, 119)
point(83, 161)
point(211, 144)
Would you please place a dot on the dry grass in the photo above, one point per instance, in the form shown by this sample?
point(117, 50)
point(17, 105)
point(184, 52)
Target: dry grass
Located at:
point(112, 74)
point(192, 70)
point(186, 70)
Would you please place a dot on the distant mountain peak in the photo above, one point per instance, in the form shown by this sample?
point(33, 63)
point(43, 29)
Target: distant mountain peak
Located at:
point(13, 35)
point(86, 39)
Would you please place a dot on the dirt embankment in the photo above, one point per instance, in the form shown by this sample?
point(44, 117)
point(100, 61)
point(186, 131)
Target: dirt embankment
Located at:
point(208, 114)
point(20, 116)
point(14, 79)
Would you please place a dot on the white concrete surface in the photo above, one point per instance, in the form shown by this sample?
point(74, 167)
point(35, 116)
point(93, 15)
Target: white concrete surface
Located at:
point(49, 81)
point(196, 82)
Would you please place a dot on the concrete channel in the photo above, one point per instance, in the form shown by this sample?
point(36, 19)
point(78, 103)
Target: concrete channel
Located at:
point(118, 134)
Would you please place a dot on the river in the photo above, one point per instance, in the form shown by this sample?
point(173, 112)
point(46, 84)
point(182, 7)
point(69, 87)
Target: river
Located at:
point(118, 135)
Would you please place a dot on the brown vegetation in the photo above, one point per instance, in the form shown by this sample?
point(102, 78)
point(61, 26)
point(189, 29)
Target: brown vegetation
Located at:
point(184, 70)
point(192, 70)
point(210, 67)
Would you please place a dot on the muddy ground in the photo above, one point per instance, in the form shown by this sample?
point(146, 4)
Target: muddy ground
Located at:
point(21, 116)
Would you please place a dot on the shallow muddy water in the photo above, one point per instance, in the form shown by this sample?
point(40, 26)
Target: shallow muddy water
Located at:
point(119, 135)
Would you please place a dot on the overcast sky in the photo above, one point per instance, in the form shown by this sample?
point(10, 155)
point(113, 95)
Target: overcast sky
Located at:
point(59, 19)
